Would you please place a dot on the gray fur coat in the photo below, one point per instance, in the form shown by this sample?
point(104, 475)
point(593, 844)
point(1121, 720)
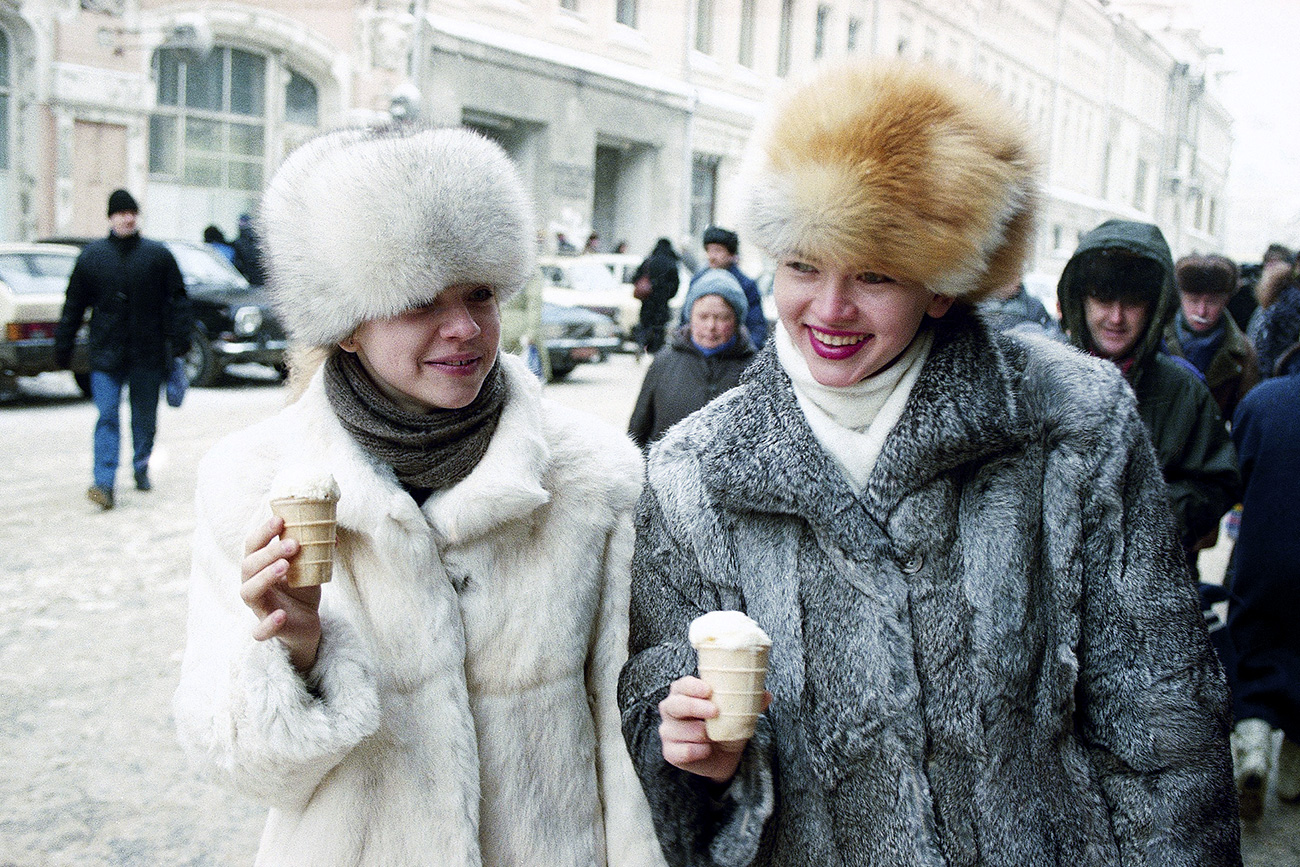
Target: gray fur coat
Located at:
point(992, 656)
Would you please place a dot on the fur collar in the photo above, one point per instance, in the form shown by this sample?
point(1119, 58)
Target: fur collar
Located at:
point(962, 409)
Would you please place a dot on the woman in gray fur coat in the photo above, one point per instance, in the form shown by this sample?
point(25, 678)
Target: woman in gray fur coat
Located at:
point(985, 647)
point(448, 699)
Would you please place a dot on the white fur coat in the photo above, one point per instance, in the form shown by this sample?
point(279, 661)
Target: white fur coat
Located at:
point(462, 708)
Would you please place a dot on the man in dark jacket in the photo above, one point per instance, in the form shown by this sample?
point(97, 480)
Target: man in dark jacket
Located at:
point(248, 252)
point(1204, 334)
point(1117, 297)
point(139, 322)
point(721, 248)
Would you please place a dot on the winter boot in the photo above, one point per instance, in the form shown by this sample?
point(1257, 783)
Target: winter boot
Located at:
point(1252, 750)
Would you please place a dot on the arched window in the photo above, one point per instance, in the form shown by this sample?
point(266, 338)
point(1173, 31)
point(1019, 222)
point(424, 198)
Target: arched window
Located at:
point(211, 124)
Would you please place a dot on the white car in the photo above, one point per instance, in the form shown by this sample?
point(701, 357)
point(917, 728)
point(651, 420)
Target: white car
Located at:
point(33, 284)
point(602, 283)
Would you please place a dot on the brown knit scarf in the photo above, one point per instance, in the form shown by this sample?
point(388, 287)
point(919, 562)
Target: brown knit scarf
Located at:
point(428, 451)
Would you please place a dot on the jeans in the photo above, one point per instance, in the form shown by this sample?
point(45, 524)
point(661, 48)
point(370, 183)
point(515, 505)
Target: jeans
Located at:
point(143, 383)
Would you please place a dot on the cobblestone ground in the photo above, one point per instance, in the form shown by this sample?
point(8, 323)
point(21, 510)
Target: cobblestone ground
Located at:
point(92, 611)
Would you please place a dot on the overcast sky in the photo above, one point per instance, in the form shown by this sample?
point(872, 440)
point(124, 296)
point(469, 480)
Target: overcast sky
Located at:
point(1261, 90)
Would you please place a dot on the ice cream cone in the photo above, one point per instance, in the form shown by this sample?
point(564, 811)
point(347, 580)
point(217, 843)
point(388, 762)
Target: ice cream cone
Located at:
point(737, 677)
point(311, 522)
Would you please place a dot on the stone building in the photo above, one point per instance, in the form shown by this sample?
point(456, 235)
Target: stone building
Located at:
point(628, 118)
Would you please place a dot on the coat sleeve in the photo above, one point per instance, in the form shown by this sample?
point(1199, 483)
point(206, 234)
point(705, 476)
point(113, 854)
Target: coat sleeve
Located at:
point(696, 824)
point(180, 313)
point(642, 422)
point(1152, 702)
point(629, 833)
point(79, 297)
point(1202, 475)
point(243, 714)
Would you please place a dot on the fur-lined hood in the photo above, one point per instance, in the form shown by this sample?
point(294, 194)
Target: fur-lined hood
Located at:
point(362, 224)
point(900, 168)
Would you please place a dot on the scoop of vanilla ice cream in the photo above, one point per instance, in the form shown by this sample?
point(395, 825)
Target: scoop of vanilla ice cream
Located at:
point(305, 482)
point(731, 630)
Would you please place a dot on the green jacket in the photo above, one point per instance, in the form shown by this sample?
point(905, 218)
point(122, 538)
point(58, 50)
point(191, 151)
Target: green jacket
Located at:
point(1191, 441)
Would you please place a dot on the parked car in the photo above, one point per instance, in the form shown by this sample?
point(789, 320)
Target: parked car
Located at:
point(569, 335)
point(233, 321)
point(33, 282)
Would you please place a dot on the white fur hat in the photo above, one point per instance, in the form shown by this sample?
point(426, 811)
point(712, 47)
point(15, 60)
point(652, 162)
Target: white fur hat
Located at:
point(900, 168)
point(362, 224)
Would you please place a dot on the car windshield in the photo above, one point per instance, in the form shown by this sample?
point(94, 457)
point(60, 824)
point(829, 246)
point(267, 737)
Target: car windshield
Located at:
point(200, 265)
point(36, 273)
point(582, 275)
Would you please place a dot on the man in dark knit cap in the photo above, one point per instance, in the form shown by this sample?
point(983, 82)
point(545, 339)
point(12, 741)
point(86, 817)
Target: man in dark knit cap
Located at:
point(139, 322)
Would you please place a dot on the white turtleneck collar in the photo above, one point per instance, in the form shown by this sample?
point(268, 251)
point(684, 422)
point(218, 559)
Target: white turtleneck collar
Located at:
point(851, 422)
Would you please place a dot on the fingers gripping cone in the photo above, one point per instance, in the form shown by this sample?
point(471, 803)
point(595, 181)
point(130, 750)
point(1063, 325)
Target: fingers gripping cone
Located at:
point(733, 653)
point(306, 499)
point(311, 522)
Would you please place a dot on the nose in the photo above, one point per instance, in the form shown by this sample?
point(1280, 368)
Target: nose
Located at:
point(458, 323)
point(834, 300)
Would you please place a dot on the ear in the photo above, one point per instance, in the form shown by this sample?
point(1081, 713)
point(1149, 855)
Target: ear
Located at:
point(349, 344)
point(939, 305)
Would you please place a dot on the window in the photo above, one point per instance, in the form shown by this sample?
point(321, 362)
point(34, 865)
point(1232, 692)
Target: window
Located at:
point(819, 35)
point(855, 33)
point(209, 129)
point(1140, 185)
point(746, 54)
point(784, 37)
point(704, 26)
point(625, 12)
point(704, 187)
point(4, 101)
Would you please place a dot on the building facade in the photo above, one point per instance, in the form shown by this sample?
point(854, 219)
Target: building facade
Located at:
point(629, 119)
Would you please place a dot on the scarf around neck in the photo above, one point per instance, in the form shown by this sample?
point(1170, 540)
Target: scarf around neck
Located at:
point(851, 422)
point(428, 451)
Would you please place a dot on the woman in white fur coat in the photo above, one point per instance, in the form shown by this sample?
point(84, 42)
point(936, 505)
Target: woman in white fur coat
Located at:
point(448, 698)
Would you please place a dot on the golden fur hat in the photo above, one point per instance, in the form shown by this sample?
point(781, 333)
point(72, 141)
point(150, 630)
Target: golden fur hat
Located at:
point(900, 168)
point(362, 224)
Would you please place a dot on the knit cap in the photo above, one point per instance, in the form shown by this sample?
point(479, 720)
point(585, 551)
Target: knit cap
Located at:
point(717, 281)
point(121, 200)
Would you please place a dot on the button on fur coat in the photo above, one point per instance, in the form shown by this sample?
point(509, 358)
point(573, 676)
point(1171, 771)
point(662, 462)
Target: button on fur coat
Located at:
point(462, 709)
point(991, 656)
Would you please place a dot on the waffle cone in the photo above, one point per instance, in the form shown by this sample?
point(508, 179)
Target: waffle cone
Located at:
point(737, 678)
point(311, 522)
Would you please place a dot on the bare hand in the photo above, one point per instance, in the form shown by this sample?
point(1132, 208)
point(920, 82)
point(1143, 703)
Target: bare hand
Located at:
point(291, 614)
point(686, 745)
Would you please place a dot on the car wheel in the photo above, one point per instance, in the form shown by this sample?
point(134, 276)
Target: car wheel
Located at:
point(561, 370)
point(201, 362)
point(83, 383)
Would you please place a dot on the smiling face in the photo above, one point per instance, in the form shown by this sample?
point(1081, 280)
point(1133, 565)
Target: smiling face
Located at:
point(435, 356)
point(849, 325)
point(1115, 325)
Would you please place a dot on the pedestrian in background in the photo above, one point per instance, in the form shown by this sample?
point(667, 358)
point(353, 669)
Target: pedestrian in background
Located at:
point(1011, 307)
point(985, 650)
point(703, 358)
point(722, 248)
point(248, 252)
point(1206, 336)
point(1265, 599)
point(448, 697)
point(1117, 297)
point(660, 267)
point(139, 323)
point(216, 239)
point(1275, 326)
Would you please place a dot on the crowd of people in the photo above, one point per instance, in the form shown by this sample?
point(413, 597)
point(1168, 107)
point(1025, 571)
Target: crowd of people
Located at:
point(970, 528)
